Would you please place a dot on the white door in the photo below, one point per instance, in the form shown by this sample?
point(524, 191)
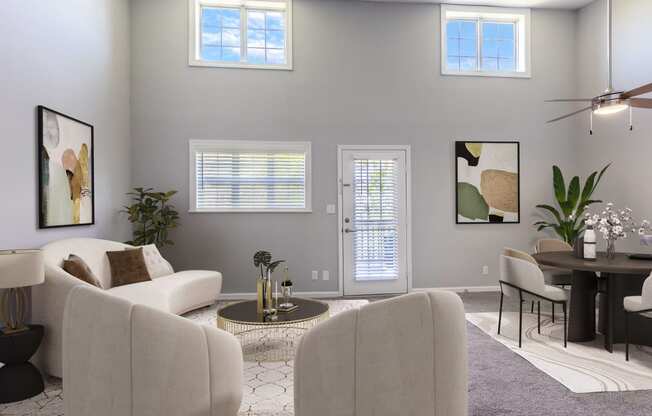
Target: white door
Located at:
point(374, 223)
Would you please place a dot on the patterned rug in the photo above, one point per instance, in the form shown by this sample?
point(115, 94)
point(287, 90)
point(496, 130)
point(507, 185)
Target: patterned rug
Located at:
point(582, 367)
point(268, 385)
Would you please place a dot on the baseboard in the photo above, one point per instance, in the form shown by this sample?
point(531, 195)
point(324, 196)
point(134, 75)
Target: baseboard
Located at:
point(460, 289)
point(252, 295)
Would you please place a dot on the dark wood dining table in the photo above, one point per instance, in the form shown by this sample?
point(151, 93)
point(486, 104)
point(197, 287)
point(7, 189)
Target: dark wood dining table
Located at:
point(619, 277)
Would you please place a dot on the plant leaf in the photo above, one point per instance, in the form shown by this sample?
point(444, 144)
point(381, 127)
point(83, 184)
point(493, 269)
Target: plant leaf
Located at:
point(573, 192)
point(558, 184)
point(552, 210)
point(588, 187)
point(600, 177)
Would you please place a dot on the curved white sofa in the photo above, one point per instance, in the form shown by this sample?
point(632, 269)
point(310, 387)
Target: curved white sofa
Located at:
point(124, 359)
point(401, 356)
point(176, 293)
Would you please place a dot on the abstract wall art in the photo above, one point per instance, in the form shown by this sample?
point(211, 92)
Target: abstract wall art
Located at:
point(65, 170)
point(487, 182)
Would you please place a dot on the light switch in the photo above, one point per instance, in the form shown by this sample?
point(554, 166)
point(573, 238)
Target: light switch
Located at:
point(315, 275)
point(330, 209)
point(325, 275)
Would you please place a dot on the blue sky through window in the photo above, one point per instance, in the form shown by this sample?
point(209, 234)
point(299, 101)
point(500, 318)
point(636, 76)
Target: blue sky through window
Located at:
point(497, 45)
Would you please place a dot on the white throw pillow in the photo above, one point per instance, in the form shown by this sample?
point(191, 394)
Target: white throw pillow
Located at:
point(157, 266)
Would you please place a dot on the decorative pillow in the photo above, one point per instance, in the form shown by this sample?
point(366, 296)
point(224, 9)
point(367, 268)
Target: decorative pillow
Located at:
point(157, 266)
point(77, 267)
point(127, 267)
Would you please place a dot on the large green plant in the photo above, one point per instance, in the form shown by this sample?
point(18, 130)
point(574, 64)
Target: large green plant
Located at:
point(152, 216)
point(569, 218)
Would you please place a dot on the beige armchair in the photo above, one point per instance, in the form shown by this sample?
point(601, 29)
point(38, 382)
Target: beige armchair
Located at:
point(401, 356)
point(125, 359)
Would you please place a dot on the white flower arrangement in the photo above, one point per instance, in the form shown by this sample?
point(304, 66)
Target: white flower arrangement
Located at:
point(615, 224)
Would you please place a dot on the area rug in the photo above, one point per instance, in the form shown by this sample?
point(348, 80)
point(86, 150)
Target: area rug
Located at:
point(582, 367)
point(267, 389)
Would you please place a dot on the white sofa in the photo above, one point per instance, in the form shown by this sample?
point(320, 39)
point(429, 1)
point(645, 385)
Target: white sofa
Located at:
point(124, 359)
point(177, 293)
point(401, 356)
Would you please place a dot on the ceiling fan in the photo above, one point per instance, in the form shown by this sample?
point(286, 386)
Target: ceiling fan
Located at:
point(610, 101)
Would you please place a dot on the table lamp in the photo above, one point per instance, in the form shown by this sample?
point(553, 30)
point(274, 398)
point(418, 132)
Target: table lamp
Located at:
point(18, 270)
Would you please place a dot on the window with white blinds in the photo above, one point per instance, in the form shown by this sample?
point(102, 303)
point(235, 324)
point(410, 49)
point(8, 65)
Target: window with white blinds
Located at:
point(376, 220)
point(247, 176)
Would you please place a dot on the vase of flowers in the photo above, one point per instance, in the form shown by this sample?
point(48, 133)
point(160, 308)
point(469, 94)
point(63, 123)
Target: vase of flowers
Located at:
point(615, 224)
point(263, 261)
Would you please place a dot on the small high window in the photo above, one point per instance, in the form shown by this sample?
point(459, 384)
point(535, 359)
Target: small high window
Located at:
point(241, 33)
point(486, 41)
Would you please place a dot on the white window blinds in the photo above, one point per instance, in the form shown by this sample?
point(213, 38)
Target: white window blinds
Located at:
point(251, 176)
point(376, 220)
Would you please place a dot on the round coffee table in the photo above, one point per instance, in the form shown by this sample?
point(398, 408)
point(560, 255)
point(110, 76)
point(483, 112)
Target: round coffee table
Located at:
point(270, 338)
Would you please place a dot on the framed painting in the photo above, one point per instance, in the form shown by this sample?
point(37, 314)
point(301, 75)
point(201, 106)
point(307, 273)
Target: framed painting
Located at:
point(487, 178)
point(65, 170)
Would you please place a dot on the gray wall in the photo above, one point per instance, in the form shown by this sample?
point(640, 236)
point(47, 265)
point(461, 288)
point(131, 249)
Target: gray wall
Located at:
point(364, 73)
point(629, 179)
point(72, 56)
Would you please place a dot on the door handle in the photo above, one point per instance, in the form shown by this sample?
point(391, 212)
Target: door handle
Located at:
point(348, 230)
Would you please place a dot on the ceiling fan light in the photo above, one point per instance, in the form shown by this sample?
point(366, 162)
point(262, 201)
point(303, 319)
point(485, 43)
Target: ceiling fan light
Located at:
point(610, 107)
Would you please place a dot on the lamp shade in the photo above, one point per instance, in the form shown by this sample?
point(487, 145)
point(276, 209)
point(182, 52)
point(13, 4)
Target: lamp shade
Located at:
point(20, 268)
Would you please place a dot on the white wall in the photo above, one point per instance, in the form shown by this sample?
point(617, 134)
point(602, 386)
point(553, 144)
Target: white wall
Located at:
point(72, 56)
point(627, 183)
point(365, 73)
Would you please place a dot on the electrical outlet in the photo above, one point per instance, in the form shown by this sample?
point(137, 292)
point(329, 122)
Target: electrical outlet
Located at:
point(485, 270)
point(331, 209)
point(315, 275)
point(325, 275)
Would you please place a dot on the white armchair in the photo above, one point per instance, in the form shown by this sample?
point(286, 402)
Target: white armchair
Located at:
point(641, 305)
point(401, 356)
point(124, 359)
point(522, 278)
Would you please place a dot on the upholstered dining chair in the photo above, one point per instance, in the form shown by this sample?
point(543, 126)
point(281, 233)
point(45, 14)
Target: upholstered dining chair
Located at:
point(522, 278)
point(640, 305)
point(553, 275)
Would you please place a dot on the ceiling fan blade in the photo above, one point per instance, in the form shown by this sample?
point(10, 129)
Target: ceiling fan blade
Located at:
point(570, 100)
point(638, 91)
point(570, 115)
point(641, 102)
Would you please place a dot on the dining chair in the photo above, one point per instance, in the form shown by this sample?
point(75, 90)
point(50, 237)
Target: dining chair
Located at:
point(522, 278)
point(553, 275)
point(639, 305)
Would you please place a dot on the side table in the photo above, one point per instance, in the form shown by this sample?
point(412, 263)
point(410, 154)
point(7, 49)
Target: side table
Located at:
point(19, 379)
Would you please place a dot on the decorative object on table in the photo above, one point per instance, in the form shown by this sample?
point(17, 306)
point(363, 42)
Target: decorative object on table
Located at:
point(152, 216)
point(568, 222)
point(615, 224)
point(19, 379)
point(589, 251)
point(18, 270)
point(578, 247)
point(65, 170)
point(487, 182)
point(646, 240)
point(286, 288)
point(263, 261)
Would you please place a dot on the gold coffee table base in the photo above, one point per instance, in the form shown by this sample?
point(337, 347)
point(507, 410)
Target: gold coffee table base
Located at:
point(270, 340)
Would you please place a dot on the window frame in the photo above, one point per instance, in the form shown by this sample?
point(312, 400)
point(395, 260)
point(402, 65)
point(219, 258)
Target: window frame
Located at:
point(521, 17)
point(194, 34)
point(249, 145)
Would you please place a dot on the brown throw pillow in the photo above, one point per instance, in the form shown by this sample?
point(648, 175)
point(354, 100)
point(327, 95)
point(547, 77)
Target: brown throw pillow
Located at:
point(77, 267)
point(127, 267)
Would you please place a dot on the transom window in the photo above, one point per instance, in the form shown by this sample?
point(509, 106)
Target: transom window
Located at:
point(487, 41)
point(249, 176)
point(241, 33)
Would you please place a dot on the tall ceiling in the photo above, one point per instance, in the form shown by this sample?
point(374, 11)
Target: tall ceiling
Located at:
point(541, 4)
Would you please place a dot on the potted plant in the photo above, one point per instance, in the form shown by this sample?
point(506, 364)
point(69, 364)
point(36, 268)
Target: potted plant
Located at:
point(263, 261)
point(152, 216)
point(568, 221)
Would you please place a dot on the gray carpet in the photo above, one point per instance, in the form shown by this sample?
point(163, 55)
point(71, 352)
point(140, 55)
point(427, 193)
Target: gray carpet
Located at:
point(503, 383)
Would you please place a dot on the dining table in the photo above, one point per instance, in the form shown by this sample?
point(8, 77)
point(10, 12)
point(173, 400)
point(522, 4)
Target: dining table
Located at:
point(610, 280)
